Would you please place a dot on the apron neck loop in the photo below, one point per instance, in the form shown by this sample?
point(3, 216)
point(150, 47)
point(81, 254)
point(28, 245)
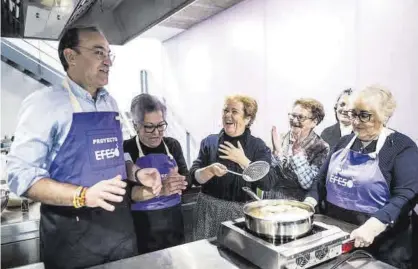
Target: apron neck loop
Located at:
point(141, 153)
point(380, 142)
point(74, 102)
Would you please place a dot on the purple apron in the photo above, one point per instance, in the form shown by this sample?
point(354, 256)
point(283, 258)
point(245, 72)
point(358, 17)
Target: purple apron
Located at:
point(79, 238)
point(163, 163)
point(356, 188)
point(354, 180)
point(158, 221)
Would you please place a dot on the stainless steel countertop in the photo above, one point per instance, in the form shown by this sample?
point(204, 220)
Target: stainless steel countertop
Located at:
point(12, 215)
point(17, 225)
point(206, 254)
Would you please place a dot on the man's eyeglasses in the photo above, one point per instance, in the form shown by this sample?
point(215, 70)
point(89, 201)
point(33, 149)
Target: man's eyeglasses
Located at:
point(100, 54)
point(363, 116)
point(150, 128)
point(299, 117)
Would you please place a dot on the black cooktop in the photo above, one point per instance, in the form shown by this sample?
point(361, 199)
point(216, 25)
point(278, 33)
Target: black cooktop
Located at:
point(279, 240)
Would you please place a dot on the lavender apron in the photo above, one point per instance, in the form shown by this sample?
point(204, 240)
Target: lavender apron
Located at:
point(158, 221)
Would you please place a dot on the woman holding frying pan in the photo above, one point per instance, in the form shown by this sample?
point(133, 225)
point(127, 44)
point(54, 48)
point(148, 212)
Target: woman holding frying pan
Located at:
point(234, 148)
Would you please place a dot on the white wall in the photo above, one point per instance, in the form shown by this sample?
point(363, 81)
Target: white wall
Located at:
point(124, 77)
point(15, 86)
point(279, 50)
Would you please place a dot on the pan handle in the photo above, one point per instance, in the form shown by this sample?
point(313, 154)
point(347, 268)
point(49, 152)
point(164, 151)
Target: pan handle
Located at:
point(251, 193)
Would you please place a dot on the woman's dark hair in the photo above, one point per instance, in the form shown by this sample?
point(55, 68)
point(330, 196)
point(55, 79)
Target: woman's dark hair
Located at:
point(146, 103)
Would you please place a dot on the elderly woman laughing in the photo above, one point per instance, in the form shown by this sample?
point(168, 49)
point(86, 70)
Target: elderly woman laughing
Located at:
point(299, 153)
point(234, 148)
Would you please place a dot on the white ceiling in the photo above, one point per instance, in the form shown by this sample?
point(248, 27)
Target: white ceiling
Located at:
point(161, 33)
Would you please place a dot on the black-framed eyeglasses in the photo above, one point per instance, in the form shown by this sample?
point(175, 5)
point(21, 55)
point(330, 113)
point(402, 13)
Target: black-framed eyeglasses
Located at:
point(299, 117)
point(100, 54)
point(150, 128)
point(363, 116)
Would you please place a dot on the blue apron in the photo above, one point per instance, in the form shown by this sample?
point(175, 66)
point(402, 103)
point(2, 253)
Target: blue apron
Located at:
point(356, 188)
point(354, 180)
point(158, 221)
point(163, 163)
point(79, 238)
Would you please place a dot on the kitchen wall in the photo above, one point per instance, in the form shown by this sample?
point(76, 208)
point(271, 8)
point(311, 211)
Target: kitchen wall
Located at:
point(15, 86)
point(124, 81)
point(280, 50)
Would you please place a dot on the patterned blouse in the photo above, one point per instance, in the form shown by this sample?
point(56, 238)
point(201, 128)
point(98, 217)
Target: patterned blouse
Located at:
point(297, 171)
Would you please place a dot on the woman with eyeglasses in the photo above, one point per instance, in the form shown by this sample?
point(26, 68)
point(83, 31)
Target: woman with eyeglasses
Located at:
point(371, 179)
point(233, 148)
point(299, 153)
point(332, 134)
point(158, 220)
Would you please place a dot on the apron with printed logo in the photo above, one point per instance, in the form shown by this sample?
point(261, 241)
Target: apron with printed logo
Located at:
point(158, 221)
point(356, 188)
point(83, 237)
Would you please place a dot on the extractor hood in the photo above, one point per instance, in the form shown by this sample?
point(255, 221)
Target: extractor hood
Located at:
point(120, 20)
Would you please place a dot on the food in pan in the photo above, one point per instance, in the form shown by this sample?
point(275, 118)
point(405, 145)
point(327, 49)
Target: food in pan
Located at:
point(279, 212)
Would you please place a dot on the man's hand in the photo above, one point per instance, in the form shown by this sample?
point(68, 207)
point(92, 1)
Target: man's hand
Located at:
point(111, 190)
point(150, 177)
point(174, 183)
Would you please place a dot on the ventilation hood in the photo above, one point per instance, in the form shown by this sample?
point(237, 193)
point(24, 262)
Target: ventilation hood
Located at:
point(120, 20)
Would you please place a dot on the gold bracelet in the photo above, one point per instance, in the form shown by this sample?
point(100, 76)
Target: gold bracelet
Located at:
point(76, 195)
point(82, 197)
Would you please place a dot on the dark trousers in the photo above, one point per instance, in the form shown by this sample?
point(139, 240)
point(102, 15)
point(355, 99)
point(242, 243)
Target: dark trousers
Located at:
point(158, 229)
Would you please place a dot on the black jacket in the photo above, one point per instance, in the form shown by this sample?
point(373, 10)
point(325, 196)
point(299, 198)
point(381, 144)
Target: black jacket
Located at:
point(229, 187)
point(332, 135)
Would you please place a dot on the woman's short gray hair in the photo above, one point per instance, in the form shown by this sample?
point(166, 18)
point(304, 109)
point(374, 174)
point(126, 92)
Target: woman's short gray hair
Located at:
point(381, 99)
point(146, 103)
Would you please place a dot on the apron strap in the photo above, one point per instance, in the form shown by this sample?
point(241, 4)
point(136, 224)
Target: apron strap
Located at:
point(382, 139)
point(74, 102)
point(141, 153)
point(380, 142)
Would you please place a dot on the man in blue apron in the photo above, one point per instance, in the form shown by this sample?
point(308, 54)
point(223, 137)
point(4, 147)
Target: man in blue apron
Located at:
point(68, 154)
point(158, 221)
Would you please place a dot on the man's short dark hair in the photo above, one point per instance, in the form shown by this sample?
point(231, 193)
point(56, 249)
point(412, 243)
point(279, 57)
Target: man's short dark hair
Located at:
point(70, 39)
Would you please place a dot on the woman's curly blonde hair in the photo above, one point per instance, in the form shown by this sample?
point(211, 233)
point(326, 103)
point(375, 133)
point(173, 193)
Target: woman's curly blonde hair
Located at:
point(380, 98)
